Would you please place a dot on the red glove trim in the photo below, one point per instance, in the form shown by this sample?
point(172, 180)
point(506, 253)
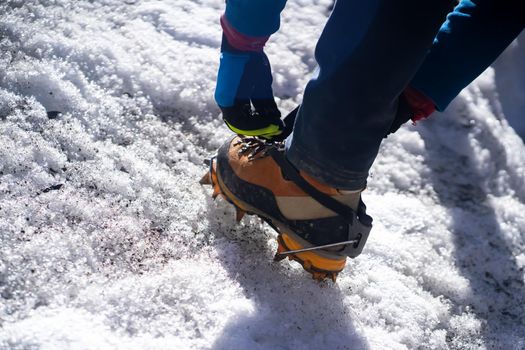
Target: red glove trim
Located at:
point(240, 41)
point(421, 105)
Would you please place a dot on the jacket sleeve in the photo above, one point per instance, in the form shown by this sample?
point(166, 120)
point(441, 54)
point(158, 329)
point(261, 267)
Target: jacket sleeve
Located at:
point(254, 18)
point(473, 36)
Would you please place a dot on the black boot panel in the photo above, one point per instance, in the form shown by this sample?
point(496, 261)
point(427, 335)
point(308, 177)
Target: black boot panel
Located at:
point(317, 231)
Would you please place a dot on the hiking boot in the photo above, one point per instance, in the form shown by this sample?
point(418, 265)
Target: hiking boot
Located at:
point(318, 226)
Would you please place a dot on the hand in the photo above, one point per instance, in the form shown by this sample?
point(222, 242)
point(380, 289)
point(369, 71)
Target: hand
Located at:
point(413, 105)
point(244, 92)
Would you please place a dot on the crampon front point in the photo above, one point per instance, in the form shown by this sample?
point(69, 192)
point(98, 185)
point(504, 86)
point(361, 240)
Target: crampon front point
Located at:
point(210, 178)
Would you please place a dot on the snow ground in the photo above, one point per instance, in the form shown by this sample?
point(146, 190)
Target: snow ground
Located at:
point(108, 242)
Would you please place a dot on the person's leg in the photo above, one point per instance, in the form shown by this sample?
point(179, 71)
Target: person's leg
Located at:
point(367, 54)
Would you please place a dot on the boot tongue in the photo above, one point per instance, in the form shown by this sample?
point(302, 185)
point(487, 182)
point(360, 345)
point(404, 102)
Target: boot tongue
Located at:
point(347, 197)
point(350, 198)
point(319, 185)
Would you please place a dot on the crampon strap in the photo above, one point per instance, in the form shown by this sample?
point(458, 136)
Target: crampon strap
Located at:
point(359, 223)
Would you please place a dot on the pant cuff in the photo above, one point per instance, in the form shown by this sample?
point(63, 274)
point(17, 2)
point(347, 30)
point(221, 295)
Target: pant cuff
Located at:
point(323, 171)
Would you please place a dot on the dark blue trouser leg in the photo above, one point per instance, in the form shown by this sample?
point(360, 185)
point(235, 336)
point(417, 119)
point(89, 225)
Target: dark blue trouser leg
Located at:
point(367, 54)
point(473, 36)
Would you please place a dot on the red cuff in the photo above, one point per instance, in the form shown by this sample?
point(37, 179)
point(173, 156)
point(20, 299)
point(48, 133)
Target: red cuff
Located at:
point(421, 105)
point(240, 41)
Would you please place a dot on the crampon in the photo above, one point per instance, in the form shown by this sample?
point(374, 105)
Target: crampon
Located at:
point(303, 241)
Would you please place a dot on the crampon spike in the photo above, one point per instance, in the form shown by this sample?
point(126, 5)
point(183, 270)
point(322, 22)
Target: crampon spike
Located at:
point(278, 257)
point(206, 179)
point(216, 191)
point(317, 275)
point(334, 276)
point(239, 214)
point(280, 248)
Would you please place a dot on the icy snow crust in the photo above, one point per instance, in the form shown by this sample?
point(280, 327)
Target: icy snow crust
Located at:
point(108, 241)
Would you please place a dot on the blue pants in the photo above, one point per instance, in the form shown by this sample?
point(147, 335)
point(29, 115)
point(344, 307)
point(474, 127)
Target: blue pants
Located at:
point(473, 36)
point(367, 54)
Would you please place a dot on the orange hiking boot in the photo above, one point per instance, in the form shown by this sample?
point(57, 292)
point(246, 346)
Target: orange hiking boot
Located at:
point(318, 226)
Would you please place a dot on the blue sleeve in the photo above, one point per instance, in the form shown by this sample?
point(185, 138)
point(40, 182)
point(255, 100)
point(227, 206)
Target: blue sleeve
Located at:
point(472, 37)
point(256, 18)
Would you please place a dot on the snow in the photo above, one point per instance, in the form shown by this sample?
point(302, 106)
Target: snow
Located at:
point(109, 242)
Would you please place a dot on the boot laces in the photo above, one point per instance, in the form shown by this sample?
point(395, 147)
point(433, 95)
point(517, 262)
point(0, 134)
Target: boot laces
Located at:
point(256, 147)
